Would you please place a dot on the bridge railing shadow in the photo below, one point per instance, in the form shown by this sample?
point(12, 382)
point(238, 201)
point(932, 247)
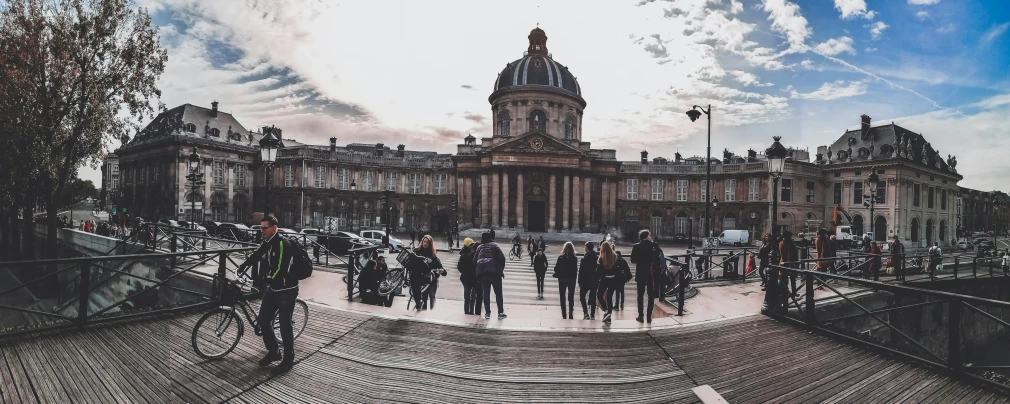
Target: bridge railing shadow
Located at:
point(107, 288)
point(949, 331)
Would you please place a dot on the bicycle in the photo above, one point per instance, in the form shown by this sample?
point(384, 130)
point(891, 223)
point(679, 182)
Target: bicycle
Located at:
point(218, 331)
point(515, 253)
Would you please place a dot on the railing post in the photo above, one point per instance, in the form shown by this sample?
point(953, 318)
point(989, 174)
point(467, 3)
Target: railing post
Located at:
point(350, 276)
point(810, 318)
point(954, 334)
point(955, 266)
point(84, 290)
point(974, 266)
point(222, 269)
point(680, 290)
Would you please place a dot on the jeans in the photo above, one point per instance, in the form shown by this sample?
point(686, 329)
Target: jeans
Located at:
point(280, 303)
point(619, 296)
point(540, 283)
point(606, 295)
point(567, 286)
point(429, 295)
point(588, 290)
point(643, 289)
point(471, 298)
point(486, 284)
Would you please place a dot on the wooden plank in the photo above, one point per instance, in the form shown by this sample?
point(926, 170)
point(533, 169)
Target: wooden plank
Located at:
point(707, 395)
point(17, 386)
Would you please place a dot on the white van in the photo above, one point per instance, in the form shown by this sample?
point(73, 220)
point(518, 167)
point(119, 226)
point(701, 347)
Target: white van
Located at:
point(734, 237)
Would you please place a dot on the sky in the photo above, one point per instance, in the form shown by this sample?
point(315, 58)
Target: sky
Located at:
point(420, 72)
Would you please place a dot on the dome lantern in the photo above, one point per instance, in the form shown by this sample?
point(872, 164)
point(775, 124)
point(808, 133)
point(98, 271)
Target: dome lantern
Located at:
point(538, 42)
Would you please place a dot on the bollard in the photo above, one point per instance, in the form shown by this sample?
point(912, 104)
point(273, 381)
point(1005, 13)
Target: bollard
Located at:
point(350, 276)
point(680, 289)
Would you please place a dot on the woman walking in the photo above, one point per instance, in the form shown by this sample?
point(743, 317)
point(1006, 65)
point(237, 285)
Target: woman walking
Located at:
point(764, 256)
point(530, 248)
point(624, 278)
point(425, 271)
point(540, 268)
point(610, 279)
point(468, 277)
point(588, 281)
point(566, 269)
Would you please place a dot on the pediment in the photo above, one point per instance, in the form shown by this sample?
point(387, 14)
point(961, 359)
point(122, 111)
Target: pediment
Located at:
point(535, 142)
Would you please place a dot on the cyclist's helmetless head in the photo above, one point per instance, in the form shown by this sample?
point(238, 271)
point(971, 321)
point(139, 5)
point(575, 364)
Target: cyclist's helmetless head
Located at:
point(268, 226)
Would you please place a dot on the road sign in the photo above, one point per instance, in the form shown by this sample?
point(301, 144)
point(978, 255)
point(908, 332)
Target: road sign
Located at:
point(113, 210)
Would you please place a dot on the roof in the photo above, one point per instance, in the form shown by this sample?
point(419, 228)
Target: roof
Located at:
point(193, 121)
point(538, 68)
point(880, 142)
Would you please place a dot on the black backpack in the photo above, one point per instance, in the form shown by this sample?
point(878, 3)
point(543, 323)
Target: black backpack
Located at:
point(301, 264)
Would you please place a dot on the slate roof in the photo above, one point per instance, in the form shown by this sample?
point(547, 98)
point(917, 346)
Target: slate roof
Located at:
point(197, 122)
point(882, 139)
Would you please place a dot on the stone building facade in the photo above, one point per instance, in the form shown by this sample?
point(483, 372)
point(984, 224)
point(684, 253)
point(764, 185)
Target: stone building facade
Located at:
point(536, 172)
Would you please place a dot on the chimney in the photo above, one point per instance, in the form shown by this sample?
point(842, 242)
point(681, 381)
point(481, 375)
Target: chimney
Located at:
point(213, 108)
point(399, 151)
point(676, 157)
point(645, 157)
point(866, 126)
point(378, 149)
point(333, 144)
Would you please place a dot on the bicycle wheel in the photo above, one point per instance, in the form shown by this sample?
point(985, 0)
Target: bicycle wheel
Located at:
point(299, 318)
point(217, 333)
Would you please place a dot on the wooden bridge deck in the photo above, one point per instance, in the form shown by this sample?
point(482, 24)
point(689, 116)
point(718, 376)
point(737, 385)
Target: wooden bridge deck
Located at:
point(347, 357)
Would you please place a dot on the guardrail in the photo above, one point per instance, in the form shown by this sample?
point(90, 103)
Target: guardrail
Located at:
point(889, 320)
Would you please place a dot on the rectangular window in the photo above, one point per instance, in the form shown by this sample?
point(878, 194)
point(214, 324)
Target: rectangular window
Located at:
point(115, 168)
point(441, 180)
point(682, 190)
point(219, 214)
point(857, 192)
point(414, 183)
point(632, 185)
point(915, 195)
point(240, 175)
point(881, 193)
point(320, 176)
point(810, 191)
point(753, 189)
point(142, 178)
point(943, 199)
point(367, 180)
point(476, 210)
point(680, 224)
point(115, 183)
point(343, 178)
point(289, 176)
point(391, 182)
point(154, 174)
point(787, 191)
point(837, 200)
point(289, 218)
point(218, 171)
point(929, 198)
point(704, 190)
point(657, 189)
point(126, 177)
point(730, 190)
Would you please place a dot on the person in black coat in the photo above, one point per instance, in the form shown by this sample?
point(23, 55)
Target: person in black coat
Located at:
point(540, 268)
point(468, 277)
point(625, 276)
point(368, 282)
point(424, 273)
point(764, 258)
point(642, 255)
point(567, 271)
point(588, 281)
point(531, 248)
point(610, 279)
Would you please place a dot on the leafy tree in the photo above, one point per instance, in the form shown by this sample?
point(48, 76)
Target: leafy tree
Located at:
point(83, 73)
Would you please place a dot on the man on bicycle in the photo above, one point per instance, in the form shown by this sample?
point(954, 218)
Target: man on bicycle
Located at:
point(517, 246)
point(275, 257)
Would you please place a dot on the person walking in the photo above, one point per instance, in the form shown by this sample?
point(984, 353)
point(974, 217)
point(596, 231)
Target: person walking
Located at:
point(413, 237)
point(542, 245)
point(468, 277)
point(875, 261)
point(492, 235)
point(566, 270)
point(448, 238)
point(588, 281)
point(531, 248)
point(623, 279)
point(643, 255)
point(540, 268)
point(788, 255)
point(275, 254)
point(898, 257)
point(426, 267)
point(824, 251)
point(764, 258)
point(490, 263)
point(610, 279)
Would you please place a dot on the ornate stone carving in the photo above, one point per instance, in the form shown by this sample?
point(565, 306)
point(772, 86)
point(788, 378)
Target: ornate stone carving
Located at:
point(846, 183)
point(892, 181)
point(829, 156)
point(909, 147)
point(896, 146)
point(924, 154)
point(871, 152)
point(537, 143)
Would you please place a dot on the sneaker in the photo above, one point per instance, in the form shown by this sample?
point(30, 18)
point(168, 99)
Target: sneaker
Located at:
point(270, 358)
point(501, 316)
point(282, 368)
point(606, 318)
point(640, 319)
point(487, 316)
point(585, 316)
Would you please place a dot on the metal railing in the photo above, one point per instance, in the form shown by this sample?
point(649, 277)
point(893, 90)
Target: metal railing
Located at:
point(895, 318)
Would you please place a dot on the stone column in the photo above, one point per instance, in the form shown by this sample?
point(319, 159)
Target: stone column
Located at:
point(576, 203)
point(613, 204)
point(565, 202)
point(552, 205)
point(587, 191)
point(519, 199)
point(505, 198)
point(485, 203)
point(605, 203)
point(495, 181)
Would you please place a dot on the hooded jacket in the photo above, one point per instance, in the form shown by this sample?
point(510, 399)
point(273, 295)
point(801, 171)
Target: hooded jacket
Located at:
point(540, 264)
point(587, 269)
point(467, 270)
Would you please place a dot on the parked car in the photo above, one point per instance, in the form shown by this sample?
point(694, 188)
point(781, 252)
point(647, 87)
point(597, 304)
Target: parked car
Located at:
point(964, 246)
point(311, 235)
point(190, 225)
point(341, 241)
point(375, 236)
point(734, 237)
point(170, 223)
point(213, 228)
point(235, 231)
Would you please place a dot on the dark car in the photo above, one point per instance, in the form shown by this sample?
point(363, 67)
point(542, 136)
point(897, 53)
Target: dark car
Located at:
point(191, 225)
point(213, 228)
point(235, 231)
point(342, 241)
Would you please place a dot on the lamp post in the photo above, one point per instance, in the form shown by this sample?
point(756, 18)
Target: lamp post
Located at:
point(995, 220)
point(694, 113)
point(195, 178)
point(354, 202)
point(874, 181)
point(268, 153)
point(776, 163)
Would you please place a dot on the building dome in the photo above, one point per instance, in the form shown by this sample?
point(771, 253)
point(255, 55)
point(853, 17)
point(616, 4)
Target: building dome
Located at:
point(537, 69)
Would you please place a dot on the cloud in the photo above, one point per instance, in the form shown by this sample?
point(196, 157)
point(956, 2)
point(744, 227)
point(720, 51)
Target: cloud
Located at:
point(945, 29)
point(833, 91)
point(995, 32)
point(876, 29)
point(466, 86)
point(922, 15)
point(787, 19)
point(833, 46)
point(807, 64)
point(748, 79)
point(854, 8)
point(923, 2)
point(870, 50)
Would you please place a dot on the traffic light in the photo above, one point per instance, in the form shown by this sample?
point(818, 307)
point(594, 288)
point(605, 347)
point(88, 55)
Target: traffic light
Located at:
point(454, 206)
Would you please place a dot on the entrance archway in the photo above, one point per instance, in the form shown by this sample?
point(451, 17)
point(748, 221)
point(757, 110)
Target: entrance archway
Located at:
point(536, 216)
point(631, 225)
point(880, 229)
point(857, 226)
point(915, 231)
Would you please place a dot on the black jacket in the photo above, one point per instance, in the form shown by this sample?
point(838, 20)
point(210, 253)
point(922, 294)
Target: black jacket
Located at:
point(370, 276)
point(611, 276)
point(540, 264)
point(642, 255)
point(418, 269)
point(275, 256)
point(466, 267)
point(622, 264)
point(587, 269)
point(567, 267)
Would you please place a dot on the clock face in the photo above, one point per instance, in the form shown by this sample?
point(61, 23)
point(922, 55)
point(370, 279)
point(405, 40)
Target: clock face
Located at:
point(537, 143)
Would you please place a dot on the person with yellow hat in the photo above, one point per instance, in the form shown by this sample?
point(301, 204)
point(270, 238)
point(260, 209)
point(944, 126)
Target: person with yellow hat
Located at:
point(468, 276)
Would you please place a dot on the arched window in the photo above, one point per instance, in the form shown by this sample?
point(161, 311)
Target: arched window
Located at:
point(880, 229)
point(631, 215)
point(729, 222)
point(215, 132)
point(569, 129)
point(538, 120)
point(915, 230)
point(857, 226)
point(504, 124)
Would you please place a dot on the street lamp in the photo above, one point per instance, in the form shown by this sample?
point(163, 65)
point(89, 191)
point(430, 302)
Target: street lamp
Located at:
point(195, 178)
point(995, 221)
point(268, 153)
point(353, 203)
point(873, 180)
point(776, 155)
point(694, 113)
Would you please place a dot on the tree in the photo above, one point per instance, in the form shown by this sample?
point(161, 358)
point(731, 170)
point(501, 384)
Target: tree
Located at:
point(84, 73)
